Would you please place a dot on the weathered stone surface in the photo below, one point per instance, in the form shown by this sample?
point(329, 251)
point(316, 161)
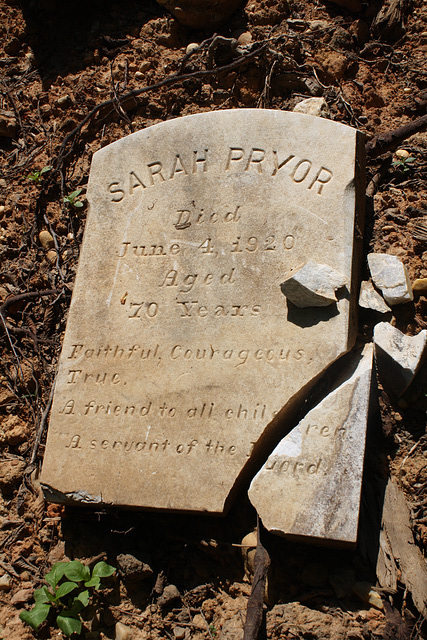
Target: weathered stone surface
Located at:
point(181, 355)
point(310, 485)
point(371, 299)
point(313, 285)
point(201, 13)
point(313, 107)
point(391, 276)
point(398, 356)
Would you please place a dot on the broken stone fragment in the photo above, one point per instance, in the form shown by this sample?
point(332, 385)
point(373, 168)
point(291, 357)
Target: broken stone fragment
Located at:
point(313, 107)
point(310, 485)
point(371, 299)
point(391, 276)
point(398, 356)
point(313, 285)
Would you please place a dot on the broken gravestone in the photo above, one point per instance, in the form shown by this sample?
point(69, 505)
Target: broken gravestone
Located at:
point(311, 483)
point(182, 356)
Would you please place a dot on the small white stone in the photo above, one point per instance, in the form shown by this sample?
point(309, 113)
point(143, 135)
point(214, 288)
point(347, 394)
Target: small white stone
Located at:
point(313, 285)
point(5, 582)
point(191, 47)
point(70, 236)
point(244, 38)
point(402, 153)
point(398, 356)
point(139, 75)
point(46, 239)
point(371, 299)
point(407, 90)
point(391, 276)
point(122, 632)
point(2, 208)
point(313, 107)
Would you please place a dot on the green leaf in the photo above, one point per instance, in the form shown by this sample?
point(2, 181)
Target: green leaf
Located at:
point(83, 597)
point(103, 570)
point(64, 589)
point(77, 571)
point(36, 615)
point(56, 573)
point(68, 625)
point(43, 595)
point(93, 582)
point(45, 170)
point(74, 194)
point(78, 204)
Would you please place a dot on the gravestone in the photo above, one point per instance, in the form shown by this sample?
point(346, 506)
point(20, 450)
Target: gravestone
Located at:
point(182, 356)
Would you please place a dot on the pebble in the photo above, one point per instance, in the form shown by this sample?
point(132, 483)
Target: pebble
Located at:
point(145, 66)
point(313, 107)
point(398, 356)
point(248, 548)
point(420, 285)
point(191, 47)
point(5, 582)
point(366, 593)
point(133, 569)
point(51, 256)
point(46, 239)
point(21, 596)
point(391, 277)
point(2, 209)
point(199, 622)
point(244, 38)
point(402, 154)
point(179, 633)
point(313, 285)
point(70, 236)
point(170, 593)
point(122, 632)
point(63, 100)
point(371, 299)
point(407, 90)
point(139, 75)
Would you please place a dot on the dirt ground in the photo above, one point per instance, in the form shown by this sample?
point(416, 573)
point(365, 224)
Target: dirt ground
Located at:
point(59, 62)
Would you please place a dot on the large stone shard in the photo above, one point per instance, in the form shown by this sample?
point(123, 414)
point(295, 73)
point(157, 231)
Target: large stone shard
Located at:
point(310, 486)
point(181, 357)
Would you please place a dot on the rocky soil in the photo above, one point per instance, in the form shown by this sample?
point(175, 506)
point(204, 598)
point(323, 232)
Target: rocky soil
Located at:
point(75, 77)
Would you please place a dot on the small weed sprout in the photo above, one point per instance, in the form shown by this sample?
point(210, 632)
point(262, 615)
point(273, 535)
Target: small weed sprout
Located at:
point(71, 586)
point(36, 176)
point(403, 160)
point(72, 199)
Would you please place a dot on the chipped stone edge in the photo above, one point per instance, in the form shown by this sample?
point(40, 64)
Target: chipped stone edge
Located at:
point(72, 497)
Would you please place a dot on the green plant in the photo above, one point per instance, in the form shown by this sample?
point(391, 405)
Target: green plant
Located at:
point(403, 162)
point(213, 630)
point(71, 586)
point(72, 200)
point(36, 176)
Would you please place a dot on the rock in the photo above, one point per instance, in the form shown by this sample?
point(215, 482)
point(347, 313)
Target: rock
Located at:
point(244, 38)
point(132, 569)
point(313, 285)
point(333, 63)
point(5, 582)
point(46, 239)
point(420, 285)
point(293, 620)
point(341, 39)
point(371, 299)
point(13, 430)
point(367, 594)
point(11, 472)
point(193, 46)
point(179, 633)
point(8, 124)
point(391, 277)
point(51, 256)
point(313, 107)
point(201, 13)
point(22, 596)
point(398, 356)
point(232, 628)
point(248, 549)
point(123, 632)
point(63, 101)
point(310, 485)
point(402, 154)
point(199, 622)
point(170, 593)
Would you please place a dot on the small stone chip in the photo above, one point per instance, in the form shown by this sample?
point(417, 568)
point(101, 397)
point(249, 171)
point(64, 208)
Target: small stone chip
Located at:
point(371, 299)
point(313, 285)
point(391, 276)
point(398, 356)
